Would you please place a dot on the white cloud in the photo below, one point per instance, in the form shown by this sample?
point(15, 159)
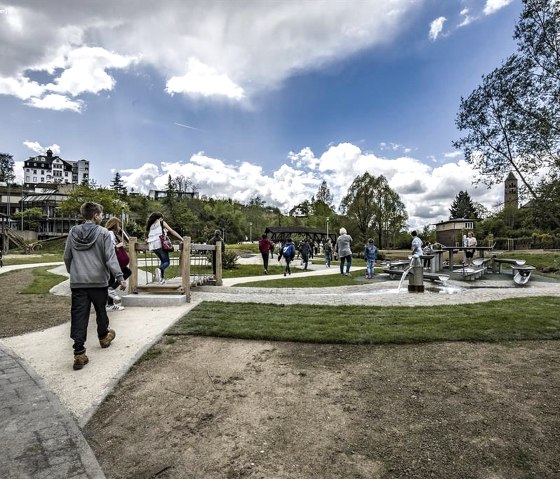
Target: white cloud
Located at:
point(492, 6)
point(231, 50)
point(467, 18)
point(453, 154)
point(204, 80)
point(37, 148)
point(56, 102)
point(426, 191)
point(436, 28)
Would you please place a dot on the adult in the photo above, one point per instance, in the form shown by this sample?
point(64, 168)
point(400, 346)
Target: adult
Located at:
point(471, 243)
point(343, 246)
point(328, 251)
point(89, 257)
point(306, 251)
point(370, 255)
point(155, 227)
point(214, 240)
point(266, 247)
point(416, 244)
point(287, 252)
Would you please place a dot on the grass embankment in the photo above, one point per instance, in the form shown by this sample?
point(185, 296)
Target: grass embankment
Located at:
point(43, 281)
point(546, 262)
point(510, 319)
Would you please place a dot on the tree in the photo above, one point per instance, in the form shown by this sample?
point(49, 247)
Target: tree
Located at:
point(31, 218)
point(107, 198)
point(7, 168)
point(512, 120)
point(374, 207)
point(463, 207)
point(118, 185)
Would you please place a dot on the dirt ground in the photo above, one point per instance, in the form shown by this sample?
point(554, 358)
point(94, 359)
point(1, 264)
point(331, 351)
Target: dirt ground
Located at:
point(217, 408)
point(212, 408)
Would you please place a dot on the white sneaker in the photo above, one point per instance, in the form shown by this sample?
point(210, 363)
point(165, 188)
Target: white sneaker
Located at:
point(157, 274)
point(162, 281)
point(113, 294)
point(114, 307)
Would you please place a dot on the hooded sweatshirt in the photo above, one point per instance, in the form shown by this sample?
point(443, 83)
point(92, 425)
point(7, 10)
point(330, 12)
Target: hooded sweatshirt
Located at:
point(89, 256)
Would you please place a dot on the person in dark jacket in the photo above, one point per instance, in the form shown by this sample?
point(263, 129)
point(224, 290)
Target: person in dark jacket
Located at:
point(89, 257)
point(305, 250)
point(288, 253)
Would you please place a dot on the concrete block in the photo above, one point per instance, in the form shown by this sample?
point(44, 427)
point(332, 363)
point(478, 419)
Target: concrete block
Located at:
point(153, 300)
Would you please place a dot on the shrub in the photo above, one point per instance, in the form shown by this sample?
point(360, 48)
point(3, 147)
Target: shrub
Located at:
point(229, 259)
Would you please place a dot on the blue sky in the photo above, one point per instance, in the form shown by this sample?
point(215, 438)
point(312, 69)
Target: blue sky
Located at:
point(254, 98)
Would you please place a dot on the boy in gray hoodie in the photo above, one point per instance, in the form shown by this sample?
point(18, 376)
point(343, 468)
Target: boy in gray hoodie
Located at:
point(90, 257)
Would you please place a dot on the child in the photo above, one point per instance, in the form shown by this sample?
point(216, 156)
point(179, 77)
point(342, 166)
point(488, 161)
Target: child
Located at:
point(370, 255)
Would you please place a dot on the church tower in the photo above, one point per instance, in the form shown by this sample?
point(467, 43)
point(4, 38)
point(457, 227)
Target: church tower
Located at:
point(511, 193)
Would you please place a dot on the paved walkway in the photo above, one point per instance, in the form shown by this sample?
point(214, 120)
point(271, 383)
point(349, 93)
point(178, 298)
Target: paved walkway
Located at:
point(43, 402)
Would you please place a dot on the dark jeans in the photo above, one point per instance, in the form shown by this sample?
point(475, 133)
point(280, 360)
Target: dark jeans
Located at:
point(287, 269)
point(82, 299)
point(348, 263)
point(164, 260)
point(265, 260)
point(305, 260)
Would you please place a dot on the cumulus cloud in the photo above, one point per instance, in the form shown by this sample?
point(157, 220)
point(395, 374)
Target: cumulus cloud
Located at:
point(231, 50)
point(436, 27)
point(426, 191)
point(37, 148)
point(492, 6)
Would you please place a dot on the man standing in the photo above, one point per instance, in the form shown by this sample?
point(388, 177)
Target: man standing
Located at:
point(89, 256)
point(265, 246)
point(416, 244)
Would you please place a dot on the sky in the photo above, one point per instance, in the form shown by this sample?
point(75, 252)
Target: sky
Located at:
point(254, 98)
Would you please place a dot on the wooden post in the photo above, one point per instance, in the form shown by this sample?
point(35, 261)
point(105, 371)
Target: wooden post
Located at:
point(219, 263)
point(133, 280)
point(185, 263)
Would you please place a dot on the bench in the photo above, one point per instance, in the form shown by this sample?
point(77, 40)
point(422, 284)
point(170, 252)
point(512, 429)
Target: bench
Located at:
point(501, 261)
point(481, 263)
point(522, 274)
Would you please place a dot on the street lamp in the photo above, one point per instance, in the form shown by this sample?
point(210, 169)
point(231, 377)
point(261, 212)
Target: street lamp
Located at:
point(251, 233)
point(327, 228)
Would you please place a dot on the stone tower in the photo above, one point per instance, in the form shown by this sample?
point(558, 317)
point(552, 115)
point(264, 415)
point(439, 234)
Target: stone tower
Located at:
point(511, 192)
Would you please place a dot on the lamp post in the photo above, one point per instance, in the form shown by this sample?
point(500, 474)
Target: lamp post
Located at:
point(22, 207)
point(251, 233)
point(327, 228)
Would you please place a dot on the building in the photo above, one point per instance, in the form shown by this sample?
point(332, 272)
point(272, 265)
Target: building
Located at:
point(511, 192)
point(49, 169)
point(161, 194)
point(451, 232)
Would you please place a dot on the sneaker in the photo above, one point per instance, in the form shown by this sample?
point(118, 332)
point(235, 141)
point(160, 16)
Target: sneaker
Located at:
point(157, 275)
point(113, 294)
point(284, 273)
point(114, 307)
point(106, 341)
point(80, 360)
point(265, 271)
point(162, 280)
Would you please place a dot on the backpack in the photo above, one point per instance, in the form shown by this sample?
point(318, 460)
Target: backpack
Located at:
point(288, 250)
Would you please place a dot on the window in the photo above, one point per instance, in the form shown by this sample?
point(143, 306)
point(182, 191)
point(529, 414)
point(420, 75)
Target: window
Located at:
point(34, 172)
point(34, 179)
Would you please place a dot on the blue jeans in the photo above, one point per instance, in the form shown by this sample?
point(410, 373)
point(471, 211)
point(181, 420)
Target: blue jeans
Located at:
point(348, 263)
point(370, 266)
point(328, 259)
point(164, 259)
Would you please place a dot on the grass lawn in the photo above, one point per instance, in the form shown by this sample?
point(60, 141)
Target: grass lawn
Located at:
point(510, 319)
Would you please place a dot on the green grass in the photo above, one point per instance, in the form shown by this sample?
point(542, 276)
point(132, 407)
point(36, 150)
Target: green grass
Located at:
point(510, 319)
point(25, 259)
point(538, 259)
point(43, 281)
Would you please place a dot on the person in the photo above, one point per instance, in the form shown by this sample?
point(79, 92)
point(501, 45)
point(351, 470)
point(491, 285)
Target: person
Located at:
point(428, 250)
point(266, 246)
point(155, 227)
point(288, 252)
point(343, 243)
point(305, 250)
point(217, 237)
point(117, 237)
point(328, 250)
point(370, 255)
point(416, 244)
point(89, 257)
point(471, 243)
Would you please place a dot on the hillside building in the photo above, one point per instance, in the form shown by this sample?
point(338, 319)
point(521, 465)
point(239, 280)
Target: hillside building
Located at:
point(49, 169)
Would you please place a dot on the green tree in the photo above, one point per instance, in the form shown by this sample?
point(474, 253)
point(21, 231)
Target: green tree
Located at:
point(512, 120)
point(463, 207)
point(117, 184)
point(7, 168)
point(374, 207)
point(106, 197)
point(31, 218)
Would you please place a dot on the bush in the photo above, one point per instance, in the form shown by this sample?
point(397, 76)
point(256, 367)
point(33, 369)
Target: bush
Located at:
point(229, 259)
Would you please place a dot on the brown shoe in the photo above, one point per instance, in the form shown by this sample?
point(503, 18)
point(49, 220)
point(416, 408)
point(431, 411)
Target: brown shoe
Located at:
point(106, 341)
point(80, 360)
